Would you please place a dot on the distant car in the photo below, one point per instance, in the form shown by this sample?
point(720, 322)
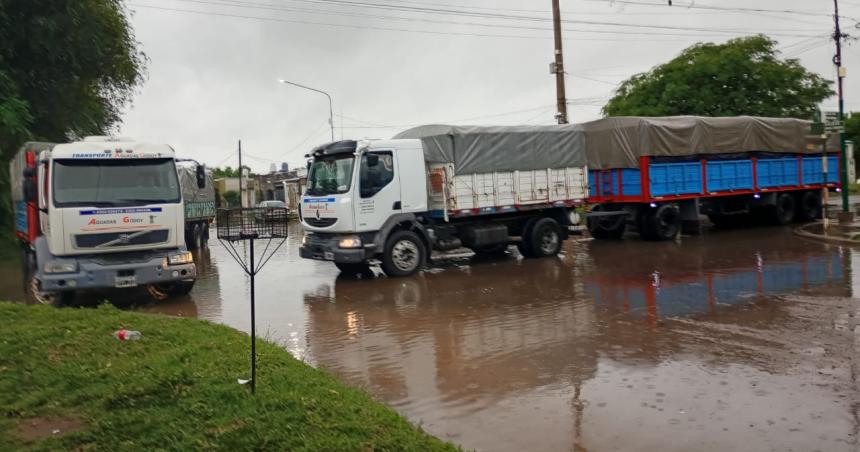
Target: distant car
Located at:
point(272, 210)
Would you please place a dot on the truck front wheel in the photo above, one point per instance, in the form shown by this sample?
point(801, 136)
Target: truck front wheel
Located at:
point(404, 254)
point(163, 291)
point(543, 238)
point(37, 295)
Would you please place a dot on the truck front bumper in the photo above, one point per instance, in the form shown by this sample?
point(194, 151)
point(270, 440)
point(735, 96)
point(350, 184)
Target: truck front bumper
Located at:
point(324, 248)
point(96, 273)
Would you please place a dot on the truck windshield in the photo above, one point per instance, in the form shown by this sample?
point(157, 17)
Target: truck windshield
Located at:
point(120, 182)
point(330, 175)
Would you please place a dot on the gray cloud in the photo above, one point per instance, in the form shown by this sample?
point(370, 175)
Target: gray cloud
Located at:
point(213, 79)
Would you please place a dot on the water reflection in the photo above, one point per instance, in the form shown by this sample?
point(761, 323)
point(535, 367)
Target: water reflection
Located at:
point(513, 355)
point(736, 340)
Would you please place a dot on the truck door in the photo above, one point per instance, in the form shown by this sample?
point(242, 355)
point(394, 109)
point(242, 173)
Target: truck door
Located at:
point(378, 190)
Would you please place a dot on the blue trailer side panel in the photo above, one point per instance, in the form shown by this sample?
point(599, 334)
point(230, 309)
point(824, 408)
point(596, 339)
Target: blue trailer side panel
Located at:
point(812, 170)
point(779, 172)
point(592, 183)
point(727, 175)
point(675, 178)
point(631, 182)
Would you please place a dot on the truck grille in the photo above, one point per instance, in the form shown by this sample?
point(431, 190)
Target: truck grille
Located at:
point(320, 223)
point(119, 239)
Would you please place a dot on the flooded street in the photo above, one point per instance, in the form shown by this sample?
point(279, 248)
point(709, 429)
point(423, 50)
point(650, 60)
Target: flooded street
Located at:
point(735, 340)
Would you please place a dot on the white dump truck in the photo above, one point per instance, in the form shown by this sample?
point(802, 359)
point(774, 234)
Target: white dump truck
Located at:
point(442, 188)
point(100, 213)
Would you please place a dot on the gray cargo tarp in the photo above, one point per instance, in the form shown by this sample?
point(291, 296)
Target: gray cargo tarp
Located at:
point(614, 142)
point(474, 149)
point(199, 202)
point(618, 142)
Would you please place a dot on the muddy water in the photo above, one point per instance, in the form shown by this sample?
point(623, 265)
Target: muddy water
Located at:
point(740, 340)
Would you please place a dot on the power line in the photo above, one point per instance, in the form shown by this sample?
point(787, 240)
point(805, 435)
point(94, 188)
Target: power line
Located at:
point(271, 7)
point(693, 5)
point(254, 5)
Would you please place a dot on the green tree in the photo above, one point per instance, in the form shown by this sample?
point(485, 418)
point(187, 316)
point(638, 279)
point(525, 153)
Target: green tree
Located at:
point(67, 69)
point(227, 171)
point(231, 197)
point(744, 76)
point(852, 129)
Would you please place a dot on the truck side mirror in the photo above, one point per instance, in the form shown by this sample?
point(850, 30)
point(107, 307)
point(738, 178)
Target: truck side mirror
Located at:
point(201, 176)
point(372, 160)
point(28, 189)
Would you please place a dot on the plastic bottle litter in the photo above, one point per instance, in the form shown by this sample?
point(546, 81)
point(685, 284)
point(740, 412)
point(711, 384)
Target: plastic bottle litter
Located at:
point(127, 335)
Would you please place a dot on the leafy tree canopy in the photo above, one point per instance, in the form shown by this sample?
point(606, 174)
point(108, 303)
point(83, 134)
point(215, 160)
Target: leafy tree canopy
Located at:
point(852, 129)
point(744, 76)
point(231, 197)
point(67, 69)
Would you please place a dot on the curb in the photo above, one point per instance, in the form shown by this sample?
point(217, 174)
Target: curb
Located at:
point(800, 231)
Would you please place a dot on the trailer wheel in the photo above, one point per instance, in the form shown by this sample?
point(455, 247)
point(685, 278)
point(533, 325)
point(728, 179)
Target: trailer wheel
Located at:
point(351, 269)
point(809, 206)
point(544, 238)
point(404, 254)
point(662, 223)
point(610, 227)
point(163, 291)
point(782, 212)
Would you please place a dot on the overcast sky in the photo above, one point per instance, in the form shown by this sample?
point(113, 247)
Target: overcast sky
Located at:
point(388, 65)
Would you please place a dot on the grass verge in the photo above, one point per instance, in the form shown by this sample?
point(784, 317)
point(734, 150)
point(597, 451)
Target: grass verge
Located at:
point(66, 383)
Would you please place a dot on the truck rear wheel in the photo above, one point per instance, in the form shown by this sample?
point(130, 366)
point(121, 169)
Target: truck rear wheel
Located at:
point(404, 254)
point(809, 206)
point(163, 291)
point(782, 212)
point(543, 238)
point(662, 223)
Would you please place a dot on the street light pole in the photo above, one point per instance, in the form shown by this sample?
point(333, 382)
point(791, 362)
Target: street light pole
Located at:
point(330, 115)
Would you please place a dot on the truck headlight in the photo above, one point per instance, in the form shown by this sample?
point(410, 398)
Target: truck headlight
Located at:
point(349, 242)
point(184, 257)
point(61, 267)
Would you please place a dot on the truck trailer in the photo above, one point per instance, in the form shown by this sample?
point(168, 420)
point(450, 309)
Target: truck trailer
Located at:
point(660, 173)
point(441, 188)
point(198, 202)
point(100, 213)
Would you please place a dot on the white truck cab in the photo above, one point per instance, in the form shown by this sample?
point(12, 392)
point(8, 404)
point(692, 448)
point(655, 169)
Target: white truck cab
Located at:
point(387, 200)
point(101, 213)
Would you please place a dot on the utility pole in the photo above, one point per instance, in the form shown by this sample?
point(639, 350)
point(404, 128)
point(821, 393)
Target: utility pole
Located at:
point(558, 66)
point(241, 199)
point(840, 74)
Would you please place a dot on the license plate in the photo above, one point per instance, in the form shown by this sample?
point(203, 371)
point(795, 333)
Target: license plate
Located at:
point(328, 255)
point(125, 281)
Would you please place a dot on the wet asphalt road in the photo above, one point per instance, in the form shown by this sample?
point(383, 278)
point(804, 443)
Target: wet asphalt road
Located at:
point(734, 340)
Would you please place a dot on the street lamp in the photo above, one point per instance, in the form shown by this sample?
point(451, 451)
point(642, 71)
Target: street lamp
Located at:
point(330, 116)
